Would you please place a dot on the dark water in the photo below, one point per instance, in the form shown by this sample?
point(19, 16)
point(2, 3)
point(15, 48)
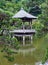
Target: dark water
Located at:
point(29, 55)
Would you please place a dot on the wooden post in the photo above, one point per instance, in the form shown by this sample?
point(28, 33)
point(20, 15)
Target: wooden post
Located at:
point(31, 39)
point(23, 25)
point(23, 40)
point(31, 29)
point(23, 35)
point(31, 24)
point(13, 36)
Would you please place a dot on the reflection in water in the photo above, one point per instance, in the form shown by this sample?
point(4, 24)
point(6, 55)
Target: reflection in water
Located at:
point(37, 63)
point(26, 51)
point(22, 64)
point(29, 56)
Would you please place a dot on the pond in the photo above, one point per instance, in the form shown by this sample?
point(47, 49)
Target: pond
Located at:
point(28, 55)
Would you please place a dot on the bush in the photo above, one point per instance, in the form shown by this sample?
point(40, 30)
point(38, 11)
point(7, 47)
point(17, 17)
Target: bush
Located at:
point(11, 58)
point(9, 54)
point(15, 43)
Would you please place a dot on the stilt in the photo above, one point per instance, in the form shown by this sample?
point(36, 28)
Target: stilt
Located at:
point(31, 39)
point(23, 40)
point(23, 25)
point(31, 24)
point(13, 36)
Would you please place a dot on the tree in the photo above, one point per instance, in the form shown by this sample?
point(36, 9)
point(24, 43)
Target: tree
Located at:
point(44, 15)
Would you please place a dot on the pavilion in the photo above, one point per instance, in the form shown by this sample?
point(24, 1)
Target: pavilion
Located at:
point(25, 17)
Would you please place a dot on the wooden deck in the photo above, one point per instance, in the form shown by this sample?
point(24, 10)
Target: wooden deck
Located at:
point(23, 31)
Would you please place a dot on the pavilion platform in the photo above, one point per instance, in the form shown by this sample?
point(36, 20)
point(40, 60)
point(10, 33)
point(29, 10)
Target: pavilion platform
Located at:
point(22, 32)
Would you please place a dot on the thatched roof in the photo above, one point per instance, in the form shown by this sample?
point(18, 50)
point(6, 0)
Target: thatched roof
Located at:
point(23, 14)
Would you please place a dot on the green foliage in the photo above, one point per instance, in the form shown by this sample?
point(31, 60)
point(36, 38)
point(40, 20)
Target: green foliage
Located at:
point(45, 57)
point(1, 10)
point(11, 58)
point(9, 7)
point(8, 53)
point(15, 43)
point(38, 26)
